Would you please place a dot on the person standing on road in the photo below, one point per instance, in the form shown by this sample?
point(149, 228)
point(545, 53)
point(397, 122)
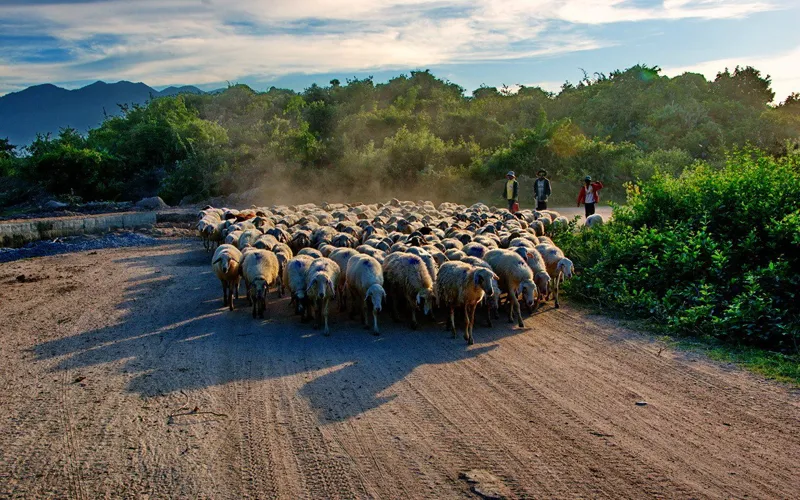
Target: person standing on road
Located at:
point(511, 190)
point(590, 194)
point(541, 190)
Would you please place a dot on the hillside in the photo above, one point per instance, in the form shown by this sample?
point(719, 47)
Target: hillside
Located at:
point(48, 108)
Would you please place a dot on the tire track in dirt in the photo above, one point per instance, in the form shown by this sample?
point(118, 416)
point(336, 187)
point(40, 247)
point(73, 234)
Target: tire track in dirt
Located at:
point(549, 409)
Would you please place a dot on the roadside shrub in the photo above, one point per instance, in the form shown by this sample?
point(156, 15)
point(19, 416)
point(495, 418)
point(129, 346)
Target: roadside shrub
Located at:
point(713, 252)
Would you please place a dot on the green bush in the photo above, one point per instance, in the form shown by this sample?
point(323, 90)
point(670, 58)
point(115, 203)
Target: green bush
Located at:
point(713, 252)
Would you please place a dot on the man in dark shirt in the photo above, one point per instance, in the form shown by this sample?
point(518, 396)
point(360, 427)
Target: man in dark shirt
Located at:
point(541, 190)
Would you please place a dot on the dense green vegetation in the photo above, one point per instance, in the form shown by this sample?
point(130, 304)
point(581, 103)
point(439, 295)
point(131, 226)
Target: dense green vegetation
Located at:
point(713, 252)
point(414, 135)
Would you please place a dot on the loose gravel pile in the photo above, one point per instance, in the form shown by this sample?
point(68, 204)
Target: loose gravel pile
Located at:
point(80, 243)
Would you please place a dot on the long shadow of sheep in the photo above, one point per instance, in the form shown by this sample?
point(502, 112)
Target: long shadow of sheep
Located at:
point(191, 342)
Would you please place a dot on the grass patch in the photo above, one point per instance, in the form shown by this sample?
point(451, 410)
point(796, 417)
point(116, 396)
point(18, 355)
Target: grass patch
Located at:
point(771, 365)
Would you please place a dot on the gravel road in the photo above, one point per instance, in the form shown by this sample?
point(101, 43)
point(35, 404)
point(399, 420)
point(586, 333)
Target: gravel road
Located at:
point(124, 377)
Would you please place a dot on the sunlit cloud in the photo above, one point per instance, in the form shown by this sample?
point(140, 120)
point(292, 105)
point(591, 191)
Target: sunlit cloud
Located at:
point(163, 42)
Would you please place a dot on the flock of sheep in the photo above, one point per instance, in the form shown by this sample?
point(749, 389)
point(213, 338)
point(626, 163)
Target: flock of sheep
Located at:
point(413, 255)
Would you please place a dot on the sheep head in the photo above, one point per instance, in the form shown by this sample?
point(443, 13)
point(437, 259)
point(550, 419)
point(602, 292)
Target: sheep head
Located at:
point(377, 295)
point(527, 289)
point(542, 280)
point(425, 299)
point(483, 278)
point(565, 267)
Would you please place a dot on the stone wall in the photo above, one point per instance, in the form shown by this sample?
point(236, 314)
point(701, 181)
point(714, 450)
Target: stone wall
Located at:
point(19, 232)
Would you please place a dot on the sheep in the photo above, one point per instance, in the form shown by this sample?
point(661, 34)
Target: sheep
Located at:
point(493, 305)
point(560, 222)
point(312, 252)
point(558, 267)
point(341, 256)
point(515, 278)
point(284, 255)
point(538, 227)
point(294, 277)
point(265, 242)
point(594, 220)
point(454, 254)
point(225, 263)
point(430, 262)
point(364, 278)
point(321, 277)
point(475, 249)
point(233, 238)
point(248, 237)
point(540, 275)
point(260, 271)
point(407, 277)
point(460, 284)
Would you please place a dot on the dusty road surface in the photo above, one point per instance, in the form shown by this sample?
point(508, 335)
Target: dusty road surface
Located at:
point(123, 377)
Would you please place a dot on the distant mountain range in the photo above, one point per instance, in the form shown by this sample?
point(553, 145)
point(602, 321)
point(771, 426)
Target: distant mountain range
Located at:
point(48, 108)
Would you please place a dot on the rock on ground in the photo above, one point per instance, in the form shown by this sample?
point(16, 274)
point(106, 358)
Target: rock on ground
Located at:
point(152, 203)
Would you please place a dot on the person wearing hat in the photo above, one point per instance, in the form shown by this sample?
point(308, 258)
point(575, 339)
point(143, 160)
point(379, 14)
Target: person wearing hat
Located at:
point(541, 190)
point(590, 194)
point(511, 190)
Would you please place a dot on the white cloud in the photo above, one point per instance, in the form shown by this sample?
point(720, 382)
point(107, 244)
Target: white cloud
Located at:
point(167, 41)
point(783, 68)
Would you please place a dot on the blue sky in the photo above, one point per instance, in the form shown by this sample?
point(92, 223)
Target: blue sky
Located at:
point(293, 43)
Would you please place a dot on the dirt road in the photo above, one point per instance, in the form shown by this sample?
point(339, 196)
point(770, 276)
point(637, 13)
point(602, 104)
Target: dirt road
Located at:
point(122, 376)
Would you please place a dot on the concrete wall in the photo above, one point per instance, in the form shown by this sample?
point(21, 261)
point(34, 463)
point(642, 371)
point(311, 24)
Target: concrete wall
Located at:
point(19, 232)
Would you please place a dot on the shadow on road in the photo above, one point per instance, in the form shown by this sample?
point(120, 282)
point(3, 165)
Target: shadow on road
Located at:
point(174, 334)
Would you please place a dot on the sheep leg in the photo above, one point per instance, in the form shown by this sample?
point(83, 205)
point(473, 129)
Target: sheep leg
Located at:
point(364, 311)
point(236, 284)
point(375, 330)
point(395, 313)
point(512, 299)
point(519, 313)
point(224, 293)
point(557, 287)
point(325, 304)
point(255, 306)
point(413, 306)
point(230, 296)
point(469, 313)
point(488, 314)
point(452, 320)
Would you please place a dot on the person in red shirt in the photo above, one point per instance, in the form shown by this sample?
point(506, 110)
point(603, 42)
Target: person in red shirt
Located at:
point(590, 194)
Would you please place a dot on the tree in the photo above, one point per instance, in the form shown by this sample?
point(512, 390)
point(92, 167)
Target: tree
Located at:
point(745, 85)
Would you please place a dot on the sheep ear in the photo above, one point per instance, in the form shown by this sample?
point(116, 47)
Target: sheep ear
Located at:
point(496, 277)
point(529, 255)
point(477, 278)
point(329, 284)
point(419, 299)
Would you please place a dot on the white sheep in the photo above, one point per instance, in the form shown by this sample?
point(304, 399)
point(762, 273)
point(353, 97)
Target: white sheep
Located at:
point(515, 278)
point(225, 263)
point(249, 237)
point(540, 275)
point(407, 278)
point(321, 277)
point(493, 302)
point(594, 220)
point(260, 271)
point(430, 263)
point(311, 252)
point(460, 284)
point(294, 277)
point(364, 278)
point(341, 256)
point(559, 268)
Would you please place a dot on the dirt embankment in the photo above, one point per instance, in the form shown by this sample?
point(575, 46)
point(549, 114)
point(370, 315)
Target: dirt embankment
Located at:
point(123, 376)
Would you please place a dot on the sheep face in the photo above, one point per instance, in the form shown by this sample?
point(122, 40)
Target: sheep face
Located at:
point(377, 296)
point(542, 280)
point(322, 286)
point(483, 278)
point(528, 291)
point(565, 266)
point(425, 300)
